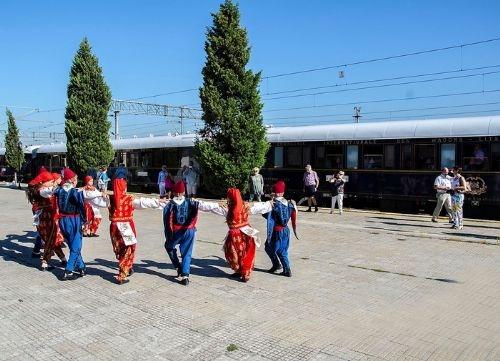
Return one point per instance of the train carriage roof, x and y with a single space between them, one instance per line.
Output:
402 129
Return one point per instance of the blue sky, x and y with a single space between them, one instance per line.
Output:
154 47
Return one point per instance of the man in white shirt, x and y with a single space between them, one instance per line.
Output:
442 185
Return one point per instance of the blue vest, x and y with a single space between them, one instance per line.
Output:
184 216
70 202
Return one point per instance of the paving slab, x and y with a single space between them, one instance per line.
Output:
365 286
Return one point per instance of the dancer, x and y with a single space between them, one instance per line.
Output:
47 224
179 219
278 234
122 227
92 213
70 202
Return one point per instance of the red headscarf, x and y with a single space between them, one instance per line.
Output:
119 189
87 179
237 215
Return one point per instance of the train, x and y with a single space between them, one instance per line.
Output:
389 165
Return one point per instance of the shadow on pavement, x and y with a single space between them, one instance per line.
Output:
472 235
402 224
12 250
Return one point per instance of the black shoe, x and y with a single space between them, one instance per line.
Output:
179 272
94 235
85 235
64 263
287 273
81 273
309 210
47 268
130 272
274 268
35 254
315 209
68 276
120 281
185 281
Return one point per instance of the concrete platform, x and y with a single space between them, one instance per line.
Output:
365 286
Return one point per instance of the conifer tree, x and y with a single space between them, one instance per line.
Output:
14 155
233 140
87 124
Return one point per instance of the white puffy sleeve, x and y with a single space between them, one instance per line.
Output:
212 207
261 207
91 194
143 203
100 202
47 192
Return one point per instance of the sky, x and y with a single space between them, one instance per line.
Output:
148 47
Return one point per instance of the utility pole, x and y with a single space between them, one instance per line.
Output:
116 124
357 115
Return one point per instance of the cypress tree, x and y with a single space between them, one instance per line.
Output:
87 125
14 155
233 139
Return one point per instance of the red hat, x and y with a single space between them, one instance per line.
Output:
56 176
279 187
179 187
87 179
68 174
44 177
34 181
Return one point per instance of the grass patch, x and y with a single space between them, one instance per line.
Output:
232 347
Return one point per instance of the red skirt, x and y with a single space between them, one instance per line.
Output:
124 254
239 249
49 231
92 224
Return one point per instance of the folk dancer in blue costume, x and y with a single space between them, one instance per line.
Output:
278 234
179 219
70 202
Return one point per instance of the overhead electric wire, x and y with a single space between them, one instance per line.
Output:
384 85
291 118
383 58
385 79
163 94
384 100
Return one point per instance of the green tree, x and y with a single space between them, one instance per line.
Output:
87 124
14 155
233 139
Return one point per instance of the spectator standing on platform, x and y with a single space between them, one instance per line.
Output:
442 185
458 188
162 177
311 183
337 184
256 185
191 177
103 179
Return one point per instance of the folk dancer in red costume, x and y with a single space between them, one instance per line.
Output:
46 218
180 216
122 227
241 241
92 212
278 234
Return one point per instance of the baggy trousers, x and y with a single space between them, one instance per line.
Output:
71 228
185 240
277 248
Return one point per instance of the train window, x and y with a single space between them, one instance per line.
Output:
334 157
475 156
406 156
278 157
373 156
320 157
390 156
447 155
425 156
352 156
171 158
495 156
293 156
133 159
306 155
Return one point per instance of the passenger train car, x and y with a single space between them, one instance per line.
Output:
389 165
